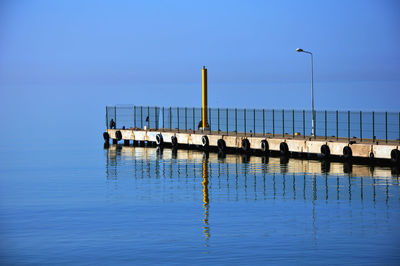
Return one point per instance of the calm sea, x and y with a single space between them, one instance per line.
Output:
80 205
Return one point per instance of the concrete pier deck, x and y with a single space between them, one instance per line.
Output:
367 149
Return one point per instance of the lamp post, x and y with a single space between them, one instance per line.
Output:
312 89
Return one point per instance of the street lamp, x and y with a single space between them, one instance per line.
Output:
312 89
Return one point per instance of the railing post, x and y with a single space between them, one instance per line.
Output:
218 119
236 120
106 117
293 121
337 125
177 111
115 115
186 118
386 127
227 122
201 117
209 119
283 123
273 122
244 112
158 117
360 125
304 123
170 118
155 117
194 117
134 115
141 117
348 125
148 115
315 124
373 126
263 122
254 122
326 124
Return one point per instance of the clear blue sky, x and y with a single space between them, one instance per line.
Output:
65 60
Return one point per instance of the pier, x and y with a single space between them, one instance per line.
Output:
369 137
286 146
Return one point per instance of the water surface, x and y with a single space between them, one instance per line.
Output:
137 205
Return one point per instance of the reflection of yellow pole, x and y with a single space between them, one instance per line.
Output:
205 182
204 98
206 228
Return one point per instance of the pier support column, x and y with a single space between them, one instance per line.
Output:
115 141
126 142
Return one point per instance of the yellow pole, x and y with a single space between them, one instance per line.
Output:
204 114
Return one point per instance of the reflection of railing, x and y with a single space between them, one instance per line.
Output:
238 177
293 123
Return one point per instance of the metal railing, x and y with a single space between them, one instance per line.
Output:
261 122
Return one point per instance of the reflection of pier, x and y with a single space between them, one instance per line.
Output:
296 166
237 177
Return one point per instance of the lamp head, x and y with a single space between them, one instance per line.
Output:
299 50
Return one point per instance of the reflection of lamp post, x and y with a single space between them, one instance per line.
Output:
312 89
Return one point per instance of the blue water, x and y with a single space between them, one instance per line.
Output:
85 205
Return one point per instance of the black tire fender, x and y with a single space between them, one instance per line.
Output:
106 136
159 140
246 145
221 145
347 153
205 142
264 146
395 156
284 149
174 141
325 151
118 135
